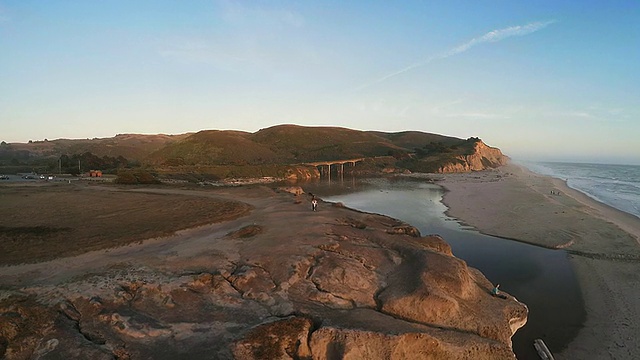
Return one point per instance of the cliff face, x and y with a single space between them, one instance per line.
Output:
483 157
302 173
295 284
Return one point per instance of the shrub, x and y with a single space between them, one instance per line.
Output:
136 177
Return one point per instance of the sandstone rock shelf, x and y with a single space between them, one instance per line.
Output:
282 282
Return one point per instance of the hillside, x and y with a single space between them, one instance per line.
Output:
297 144
282 144
415 139
130 146
44 155
213 147
276 151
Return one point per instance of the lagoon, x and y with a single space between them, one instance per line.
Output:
541 278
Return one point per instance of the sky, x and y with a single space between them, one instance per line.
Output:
542 80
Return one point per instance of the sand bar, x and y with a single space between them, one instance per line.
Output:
515 203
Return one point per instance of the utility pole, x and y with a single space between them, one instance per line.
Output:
60 165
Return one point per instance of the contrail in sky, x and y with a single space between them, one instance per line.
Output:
492 36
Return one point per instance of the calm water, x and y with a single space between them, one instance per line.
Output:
615 185
539 277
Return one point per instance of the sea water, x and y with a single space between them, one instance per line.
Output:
615 185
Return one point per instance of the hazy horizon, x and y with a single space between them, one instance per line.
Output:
546 81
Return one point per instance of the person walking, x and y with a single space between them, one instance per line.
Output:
314 204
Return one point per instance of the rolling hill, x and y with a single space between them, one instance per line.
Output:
269 151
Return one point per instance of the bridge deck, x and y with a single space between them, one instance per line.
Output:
334 162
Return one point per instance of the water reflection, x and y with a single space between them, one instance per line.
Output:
539 277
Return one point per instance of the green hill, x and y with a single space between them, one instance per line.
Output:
131 146
297 144
47 155
272 151
214 147
415 139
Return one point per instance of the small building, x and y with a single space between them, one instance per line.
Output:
95 173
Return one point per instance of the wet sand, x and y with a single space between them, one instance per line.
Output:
603 244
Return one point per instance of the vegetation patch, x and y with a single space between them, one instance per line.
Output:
48 222
129 177
30 230
245 232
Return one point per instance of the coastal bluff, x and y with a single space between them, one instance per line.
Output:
482 157
281 282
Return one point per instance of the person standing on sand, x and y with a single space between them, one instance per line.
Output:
314 204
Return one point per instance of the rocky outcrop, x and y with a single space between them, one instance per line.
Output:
295 190
483 157
282 283
339 343
302 173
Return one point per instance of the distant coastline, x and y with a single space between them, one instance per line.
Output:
602 243
616 185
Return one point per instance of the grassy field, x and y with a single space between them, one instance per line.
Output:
43 222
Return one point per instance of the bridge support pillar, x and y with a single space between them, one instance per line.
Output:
339 170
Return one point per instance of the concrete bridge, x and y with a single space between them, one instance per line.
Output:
325 166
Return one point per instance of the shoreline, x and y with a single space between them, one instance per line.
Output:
590 198
624 220
602 244
494 202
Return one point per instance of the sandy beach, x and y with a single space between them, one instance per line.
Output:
602 244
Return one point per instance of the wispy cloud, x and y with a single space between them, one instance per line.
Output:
192 51
438 108
4 15
594 114
578 114
498 35
236 12
492 36
477 115
471 109
247 38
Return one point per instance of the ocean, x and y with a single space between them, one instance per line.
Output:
615 185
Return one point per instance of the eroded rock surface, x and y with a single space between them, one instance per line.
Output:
281 283
483 157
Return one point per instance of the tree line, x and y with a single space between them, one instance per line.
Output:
13 161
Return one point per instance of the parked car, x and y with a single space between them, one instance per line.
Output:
4 177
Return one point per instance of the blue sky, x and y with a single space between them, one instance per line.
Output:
542 80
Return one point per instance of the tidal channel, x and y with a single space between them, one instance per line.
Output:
541 278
